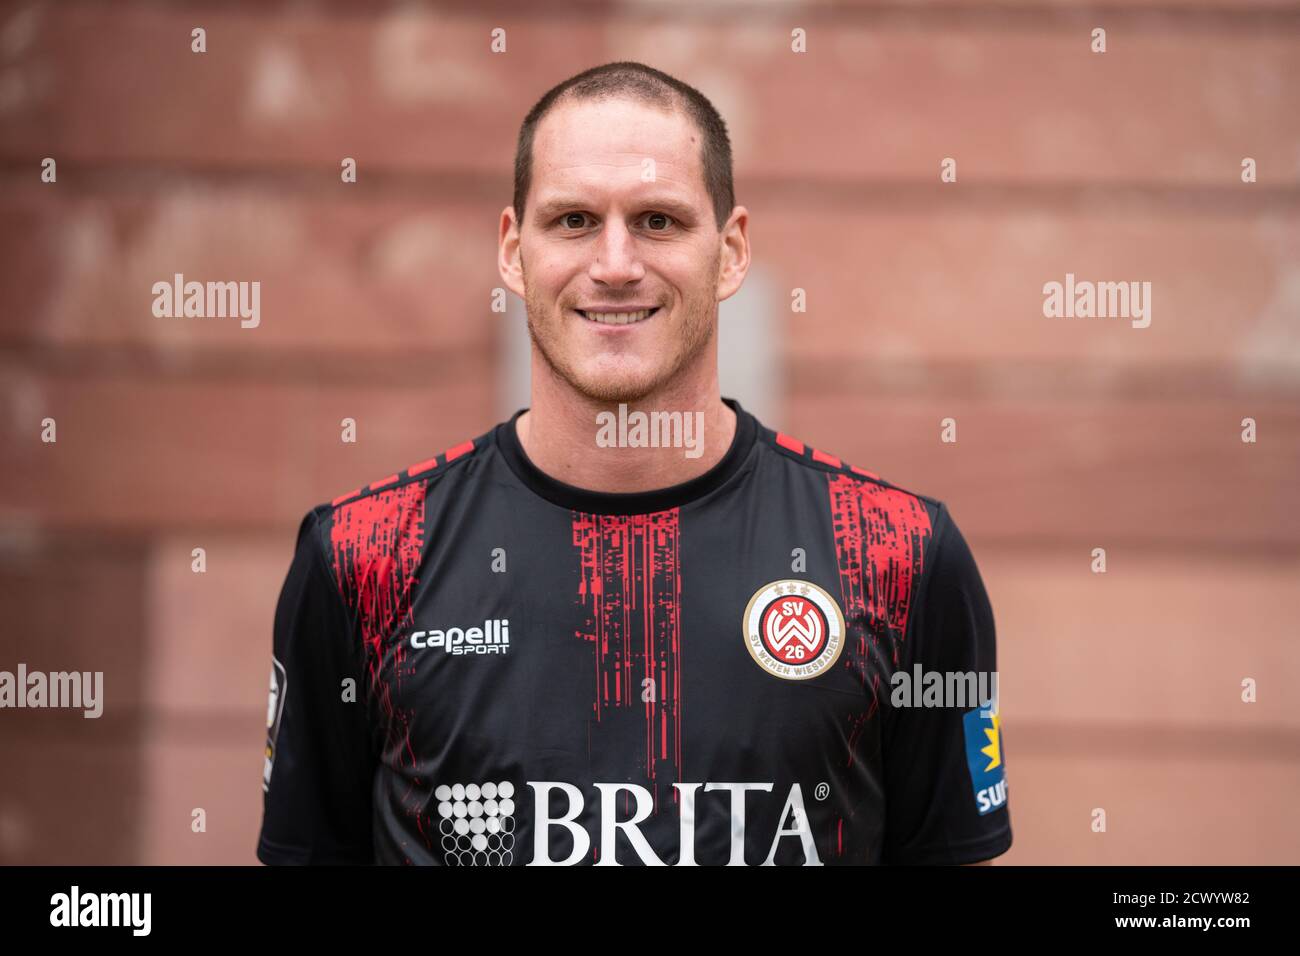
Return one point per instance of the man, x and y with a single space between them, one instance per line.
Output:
588 636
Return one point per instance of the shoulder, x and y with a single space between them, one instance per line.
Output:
887 537
377 529
416 475
852 487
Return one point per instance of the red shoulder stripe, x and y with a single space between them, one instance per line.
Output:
426 465
342 498
785 441
464 448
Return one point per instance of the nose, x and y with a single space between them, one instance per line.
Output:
617 261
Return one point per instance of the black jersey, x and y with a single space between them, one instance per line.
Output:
477 664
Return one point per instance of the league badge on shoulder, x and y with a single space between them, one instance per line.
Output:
274 711
793 629
988 775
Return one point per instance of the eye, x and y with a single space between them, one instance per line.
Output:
652 217
581 217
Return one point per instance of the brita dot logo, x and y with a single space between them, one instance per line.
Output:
477 823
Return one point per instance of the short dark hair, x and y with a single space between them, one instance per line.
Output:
654 88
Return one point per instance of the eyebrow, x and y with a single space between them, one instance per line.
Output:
553 207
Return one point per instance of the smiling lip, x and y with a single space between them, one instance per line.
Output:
614 316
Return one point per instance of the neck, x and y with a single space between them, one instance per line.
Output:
559 433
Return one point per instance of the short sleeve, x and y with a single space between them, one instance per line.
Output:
945 771
319 766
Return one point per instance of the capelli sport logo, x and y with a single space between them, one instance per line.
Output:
492 638
793 629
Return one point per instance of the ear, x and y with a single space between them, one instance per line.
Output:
733 264
508 252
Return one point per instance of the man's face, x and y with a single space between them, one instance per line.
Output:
617 220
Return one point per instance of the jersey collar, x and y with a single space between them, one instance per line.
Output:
623 503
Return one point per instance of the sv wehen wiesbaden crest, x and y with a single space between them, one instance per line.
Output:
793 629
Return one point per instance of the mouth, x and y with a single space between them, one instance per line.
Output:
605 317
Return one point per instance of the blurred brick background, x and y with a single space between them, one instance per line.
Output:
1120 690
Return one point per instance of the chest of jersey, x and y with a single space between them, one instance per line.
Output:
644 686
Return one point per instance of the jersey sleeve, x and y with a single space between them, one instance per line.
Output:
945 774
319 767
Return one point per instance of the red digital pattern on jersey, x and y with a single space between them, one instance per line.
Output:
629 588
880 539
376 541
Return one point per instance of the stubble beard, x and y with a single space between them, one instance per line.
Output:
698 326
